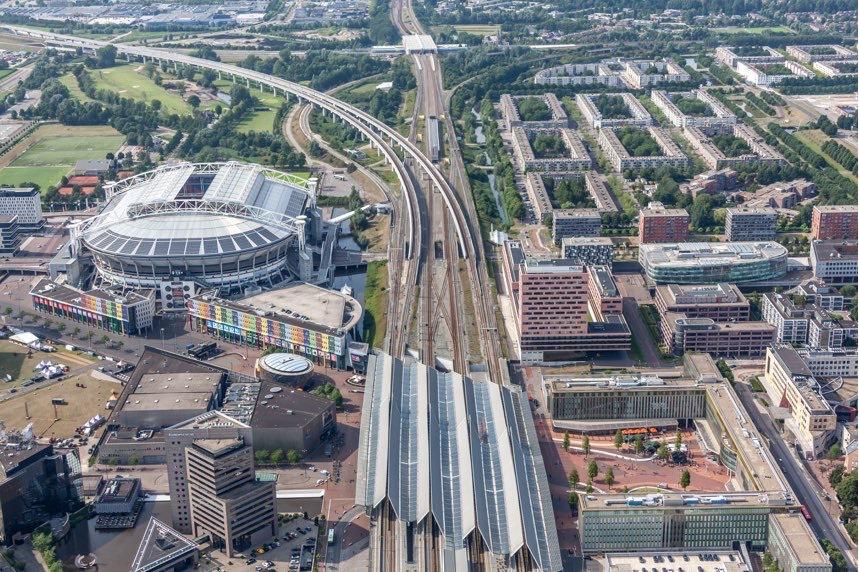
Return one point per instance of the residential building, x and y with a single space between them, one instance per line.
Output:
568 223
821 295
789 383
9 237
834 222
641 74
825 363
712 182
638 114
709 263
587 250
718 113
763 74
820 53
745 223
598 73
575 158
128 313
621 159
760 152
659 224
728 56
828 331
24 203
790 320
779 195
510 112
727 339
835 261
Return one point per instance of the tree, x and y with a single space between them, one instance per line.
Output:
639 444
293 457
662 452
590 486
573 501
262 455
104 339
277 456
586 445
106 56
573 479
593 469
609 477
834 452
194 101
685 479
566 441
678 441
618 439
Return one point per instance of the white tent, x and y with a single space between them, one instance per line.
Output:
26 338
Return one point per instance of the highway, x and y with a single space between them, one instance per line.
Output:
822 522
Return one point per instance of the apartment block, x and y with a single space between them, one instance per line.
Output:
640 74
834 222
728 55
761 151
719 114
820 53
835 261
760 74
779 195
599 73
745 223
639 115
567 223
790 384
510 112
821 295
789 319
659 224
588 250
837 68
621 159
575 159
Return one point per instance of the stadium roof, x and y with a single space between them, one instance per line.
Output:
464 450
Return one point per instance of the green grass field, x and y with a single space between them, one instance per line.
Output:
262 120
815 138
760 30
128 82
53 150
478 29
71 83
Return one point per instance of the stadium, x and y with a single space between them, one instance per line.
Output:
228 226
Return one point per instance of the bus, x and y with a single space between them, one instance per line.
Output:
330 536
805 513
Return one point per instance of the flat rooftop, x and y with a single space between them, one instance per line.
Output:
560 383
698 560
119 489
65 293
287 408
696 294
605 280
587 241
802 542
671 501
836 208
705 253
576 213
178 383
167 401
218 447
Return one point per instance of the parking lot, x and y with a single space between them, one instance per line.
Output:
294 550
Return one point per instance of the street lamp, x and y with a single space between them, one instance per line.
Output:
162 339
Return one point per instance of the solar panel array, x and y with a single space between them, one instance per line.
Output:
485 467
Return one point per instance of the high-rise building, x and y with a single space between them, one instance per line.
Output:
24 203
659 224
742 223
834 222
9 238
588 250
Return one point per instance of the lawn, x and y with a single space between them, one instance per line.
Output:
82 403
128 82
814 138
71 83
376 303
262 120
51 151
15 362
478 29
759 30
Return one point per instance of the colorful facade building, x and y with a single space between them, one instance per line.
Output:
301 318
126 313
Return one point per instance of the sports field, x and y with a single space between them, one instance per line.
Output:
128 82
51 151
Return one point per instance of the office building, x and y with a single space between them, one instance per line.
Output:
709 561
585 251
128 313
603 296
300 318
659 224
743 223
10 239
827 363
37 483
726 339
835 261
830 222
550 301
720 302
710 263
575 222
790 384
792 545
24 203
227 502
163 549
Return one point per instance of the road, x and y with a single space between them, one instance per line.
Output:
822 523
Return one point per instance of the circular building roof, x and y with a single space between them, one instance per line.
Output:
285 364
